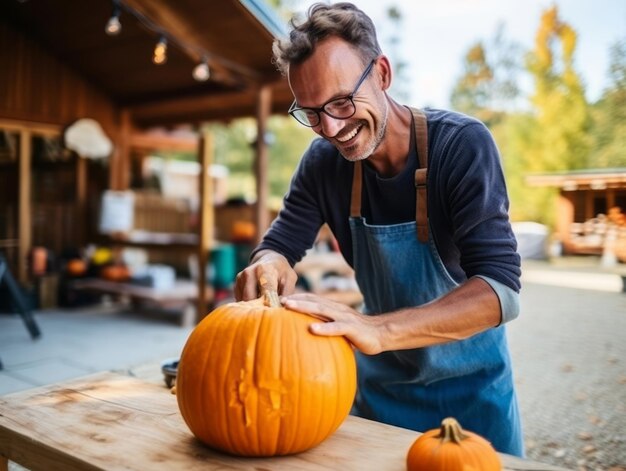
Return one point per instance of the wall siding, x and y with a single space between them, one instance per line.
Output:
36 86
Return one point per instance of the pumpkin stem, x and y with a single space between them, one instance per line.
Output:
270 295
451 431
270 298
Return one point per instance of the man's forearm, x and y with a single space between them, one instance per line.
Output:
467 310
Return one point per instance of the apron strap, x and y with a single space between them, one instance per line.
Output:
357 181
421 176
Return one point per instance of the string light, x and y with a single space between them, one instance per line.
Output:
113 26
159 56
201 72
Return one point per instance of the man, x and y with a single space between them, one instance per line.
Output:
418 204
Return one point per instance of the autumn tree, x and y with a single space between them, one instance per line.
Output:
554 134
560 141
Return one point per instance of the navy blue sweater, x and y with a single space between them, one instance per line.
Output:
467 201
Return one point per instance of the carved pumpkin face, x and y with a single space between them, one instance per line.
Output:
253 381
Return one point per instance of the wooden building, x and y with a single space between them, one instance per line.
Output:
59 66
589 202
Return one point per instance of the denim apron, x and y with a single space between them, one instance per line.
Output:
469 380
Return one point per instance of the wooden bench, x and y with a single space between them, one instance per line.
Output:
182 296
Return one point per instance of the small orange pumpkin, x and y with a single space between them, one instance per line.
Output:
253 381
450 448
76 267
115 273
243 231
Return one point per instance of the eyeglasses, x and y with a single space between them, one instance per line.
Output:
338 108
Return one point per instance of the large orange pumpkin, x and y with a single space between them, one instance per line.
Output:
450 448
253 381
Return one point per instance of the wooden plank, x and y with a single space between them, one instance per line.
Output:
207 219
109 421
38 86
25 205
119 168
47 130
212 104
262 161
81 199
180 291
152 142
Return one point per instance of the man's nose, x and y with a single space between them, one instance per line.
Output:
330 126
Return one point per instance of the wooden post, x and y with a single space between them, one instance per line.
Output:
264 103
81 199
206 220
119 170
565 216
25 206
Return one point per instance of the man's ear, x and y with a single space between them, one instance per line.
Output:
385 73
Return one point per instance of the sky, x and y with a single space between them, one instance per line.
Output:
437 34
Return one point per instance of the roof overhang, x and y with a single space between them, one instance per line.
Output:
234 36
596 179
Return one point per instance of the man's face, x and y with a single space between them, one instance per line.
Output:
333 72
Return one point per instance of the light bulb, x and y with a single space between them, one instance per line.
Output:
201 72
160 52
113 26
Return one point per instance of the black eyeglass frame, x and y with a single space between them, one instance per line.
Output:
293 109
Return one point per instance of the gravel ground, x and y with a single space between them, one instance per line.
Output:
569 357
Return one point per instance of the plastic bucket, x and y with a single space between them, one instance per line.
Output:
224 262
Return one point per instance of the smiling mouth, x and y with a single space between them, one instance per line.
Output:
346 137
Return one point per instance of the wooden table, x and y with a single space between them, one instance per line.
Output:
109 421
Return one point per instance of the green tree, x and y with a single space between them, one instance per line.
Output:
234 146
488 86
609 115
290 140
472 92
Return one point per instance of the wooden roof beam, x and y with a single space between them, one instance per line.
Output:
163 14
153 141
209 106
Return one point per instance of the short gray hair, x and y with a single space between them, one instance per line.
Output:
343 20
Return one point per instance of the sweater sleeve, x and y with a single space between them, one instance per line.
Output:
508 298
472 183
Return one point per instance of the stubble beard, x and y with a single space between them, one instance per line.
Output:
374 143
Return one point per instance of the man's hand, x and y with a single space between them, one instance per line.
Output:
270 267
364 332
